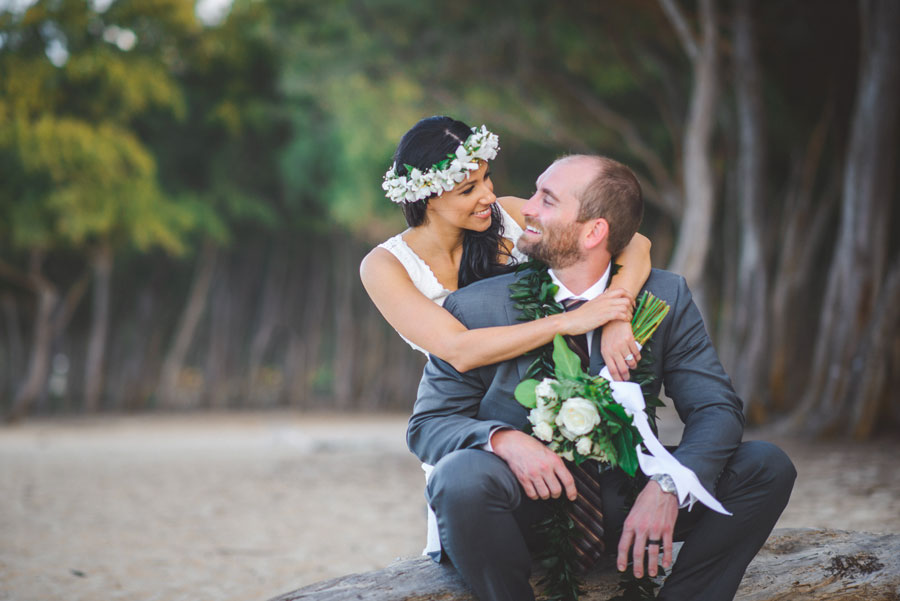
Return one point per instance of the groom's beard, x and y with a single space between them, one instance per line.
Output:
558 246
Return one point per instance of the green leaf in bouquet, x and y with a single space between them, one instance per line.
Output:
566 389
627 456
568 365
619 411
525 394
608 417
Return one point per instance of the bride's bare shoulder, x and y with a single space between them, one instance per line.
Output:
380 264
513 205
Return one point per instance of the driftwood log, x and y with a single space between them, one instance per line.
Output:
794 565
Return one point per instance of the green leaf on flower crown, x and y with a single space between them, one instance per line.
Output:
525 393
568 365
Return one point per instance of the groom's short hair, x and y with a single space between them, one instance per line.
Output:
615 195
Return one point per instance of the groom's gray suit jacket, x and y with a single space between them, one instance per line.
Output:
456 410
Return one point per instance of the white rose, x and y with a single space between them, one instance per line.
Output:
544 431
567 454
584 446
545 391
541 414
577 417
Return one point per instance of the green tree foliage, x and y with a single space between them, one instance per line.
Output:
359 74
222 157
127 128
75 173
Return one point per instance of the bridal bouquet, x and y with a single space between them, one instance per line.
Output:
577 415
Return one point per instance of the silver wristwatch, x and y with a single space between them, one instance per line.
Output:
666 483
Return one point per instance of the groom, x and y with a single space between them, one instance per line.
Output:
490 477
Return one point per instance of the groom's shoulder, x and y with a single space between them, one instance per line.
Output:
481 295
666 285
492 287
663 278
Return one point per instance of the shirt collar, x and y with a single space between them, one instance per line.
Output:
590 294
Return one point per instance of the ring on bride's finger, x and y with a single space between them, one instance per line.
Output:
629 357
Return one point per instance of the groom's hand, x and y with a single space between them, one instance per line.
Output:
652 518
540 471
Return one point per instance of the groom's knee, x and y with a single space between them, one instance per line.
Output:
472 478
768 465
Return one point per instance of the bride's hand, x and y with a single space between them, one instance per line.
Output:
616 344
612 305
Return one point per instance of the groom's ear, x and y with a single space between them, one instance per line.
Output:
597 233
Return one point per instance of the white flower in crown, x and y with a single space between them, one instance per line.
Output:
482 145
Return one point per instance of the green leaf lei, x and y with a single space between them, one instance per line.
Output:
533 294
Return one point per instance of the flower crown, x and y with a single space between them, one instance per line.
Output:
443 176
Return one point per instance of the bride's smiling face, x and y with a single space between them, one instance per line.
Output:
468 205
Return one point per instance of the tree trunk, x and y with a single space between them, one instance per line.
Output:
39 360
187 325
345 329
695 230
750 306
215 393
870 400
858 269
15 346
309 291
270 313
102 262
805 220
795 564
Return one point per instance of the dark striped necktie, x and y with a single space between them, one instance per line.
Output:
578 342
587 510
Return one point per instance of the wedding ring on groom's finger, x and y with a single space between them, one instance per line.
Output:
654 542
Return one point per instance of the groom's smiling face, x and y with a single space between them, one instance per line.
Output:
553 233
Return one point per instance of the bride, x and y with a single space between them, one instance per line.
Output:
460 232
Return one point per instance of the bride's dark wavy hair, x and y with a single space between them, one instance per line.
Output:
427 143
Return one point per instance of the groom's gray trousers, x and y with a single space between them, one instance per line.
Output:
485 522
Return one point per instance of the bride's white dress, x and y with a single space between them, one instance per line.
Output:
426 282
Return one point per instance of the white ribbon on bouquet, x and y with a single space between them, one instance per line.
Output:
660 460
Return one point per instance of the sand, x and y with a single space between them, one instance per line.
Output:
248 506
